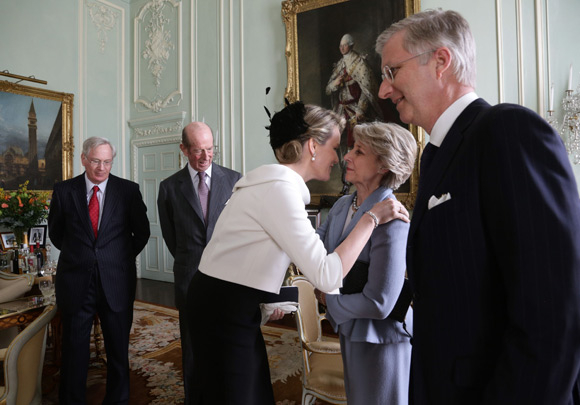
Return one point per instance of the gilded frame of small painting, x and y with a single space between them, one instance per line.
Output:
8 240
314 29
36 140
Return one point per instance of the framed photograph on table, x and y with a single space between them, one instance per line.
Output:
37 140
332 62
8 240
37 234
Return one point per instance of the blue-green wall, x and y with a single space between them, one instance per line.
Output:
231 50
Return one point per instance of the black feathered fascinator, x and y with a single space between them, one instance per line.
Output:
287 124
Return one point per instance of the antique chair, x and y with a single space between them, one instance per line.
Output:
323 373
14 286
23 362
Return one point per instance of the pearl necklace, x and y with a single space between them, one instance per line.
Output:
354 206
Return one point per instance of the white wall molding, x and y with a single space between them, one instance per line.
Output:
232 85
194 105
520 52
499 39
242 90
548 56
156 51
96 12
105 19
81 102
159 125
540 58
221 90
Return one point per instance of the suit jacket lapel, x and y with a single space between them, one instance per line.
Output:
443 158
334 231
218 190
111 202
79 195
378 195
189 193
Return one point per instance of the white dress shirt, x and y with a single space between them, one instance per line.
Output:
446 120
195 178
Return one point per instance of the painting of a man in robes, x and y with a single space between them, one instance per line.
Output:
353 88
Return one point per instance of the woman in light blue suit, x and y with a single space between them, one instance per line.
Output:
376 350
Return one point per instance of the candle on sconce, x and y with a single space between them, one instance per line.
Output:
551 101
570 78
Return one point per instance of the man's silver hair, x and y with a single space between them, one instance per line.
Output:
94 142
432 29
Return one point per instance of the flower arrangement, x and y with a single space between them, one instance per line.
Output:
22 209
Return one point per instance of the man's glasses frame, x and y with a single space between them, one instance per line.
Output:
97 162
198 152
389 73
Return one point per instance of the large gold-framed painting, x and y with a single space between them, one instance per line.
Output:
315 30
36 141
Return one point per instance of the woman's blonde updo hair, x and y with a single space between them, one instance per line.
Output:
395 147
293 126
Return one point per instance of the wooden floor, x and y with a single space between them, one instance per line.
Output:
155 292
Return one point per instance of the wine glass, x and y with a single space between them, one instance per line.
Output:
49 268
47 289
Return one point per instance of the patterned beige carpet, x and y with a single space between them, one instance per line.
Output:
155 358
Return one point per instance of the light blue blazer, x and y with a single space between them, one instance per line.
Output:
362 317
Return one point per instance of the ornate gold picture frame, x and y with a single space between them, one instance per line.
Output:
36 142
314 30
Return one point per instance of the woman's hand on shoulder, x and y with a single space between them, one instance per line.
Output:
390 209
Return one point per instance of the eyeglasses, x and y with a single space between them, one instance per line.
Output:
198 152
390 72
97 162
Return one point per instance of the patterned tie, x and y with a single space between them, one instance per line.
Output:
94 210
426 159
203 192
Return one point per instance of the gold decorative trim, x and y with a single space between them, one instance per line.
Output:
290 10
66 100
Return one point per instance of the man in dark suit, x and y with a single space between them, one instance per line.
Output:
99 222
186 226
493 252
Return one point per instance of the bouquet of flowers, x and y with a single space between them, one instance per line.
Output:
22 209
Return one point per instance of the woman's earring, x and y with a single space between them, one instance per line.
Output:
314 156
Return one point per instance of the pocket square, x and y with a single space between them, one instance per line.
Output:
434 201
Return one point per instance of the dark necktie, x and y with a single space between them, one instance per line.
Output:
94 210
426 159
203 192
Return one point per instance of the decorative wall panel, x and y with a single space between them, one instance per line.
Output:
105 19
102 82
158 56
158 125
